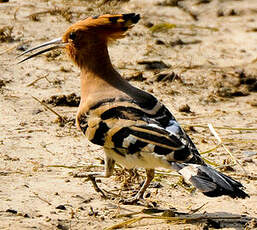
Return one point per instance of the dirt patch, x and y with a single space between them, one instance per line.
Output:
237 84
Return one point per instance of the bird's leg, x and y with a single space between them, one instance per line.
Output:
140 194
149 178
109 166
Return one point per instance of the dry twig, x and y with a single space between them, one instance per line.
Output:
215 134
39 78
46 106
40 198
178 219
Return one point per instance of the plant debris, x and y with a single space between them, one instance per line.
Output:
153 65
64 12
251 224
212 221
236 84
138 76
172 3
4 82
230 92
6 34
166 76
249 80
165 26
71 100
179 42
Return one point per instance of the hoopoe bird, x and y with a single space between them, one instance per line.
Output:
132 126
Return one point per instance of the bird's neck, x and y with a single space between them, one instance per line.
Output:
98 74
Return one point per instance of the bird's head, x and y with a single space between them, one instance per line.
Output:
83 37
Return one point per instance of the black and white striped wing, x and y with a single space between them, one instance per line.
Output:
129 129
150 138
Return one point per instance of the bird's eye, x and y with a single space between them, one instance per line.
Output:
72 36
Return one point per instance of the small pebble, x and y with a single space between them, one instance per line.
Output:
147 195
12 211
159 42
62 227
26 215
61 207
184 108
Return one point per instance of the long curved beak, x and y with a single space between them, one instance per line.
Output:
57 42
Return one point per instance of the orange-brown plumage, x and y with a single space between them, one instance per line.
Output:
90 36
86 44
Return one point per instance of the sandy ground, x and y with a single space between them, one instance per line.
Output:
206 54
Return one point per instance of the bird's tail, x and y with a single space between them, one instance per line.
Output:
209 181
